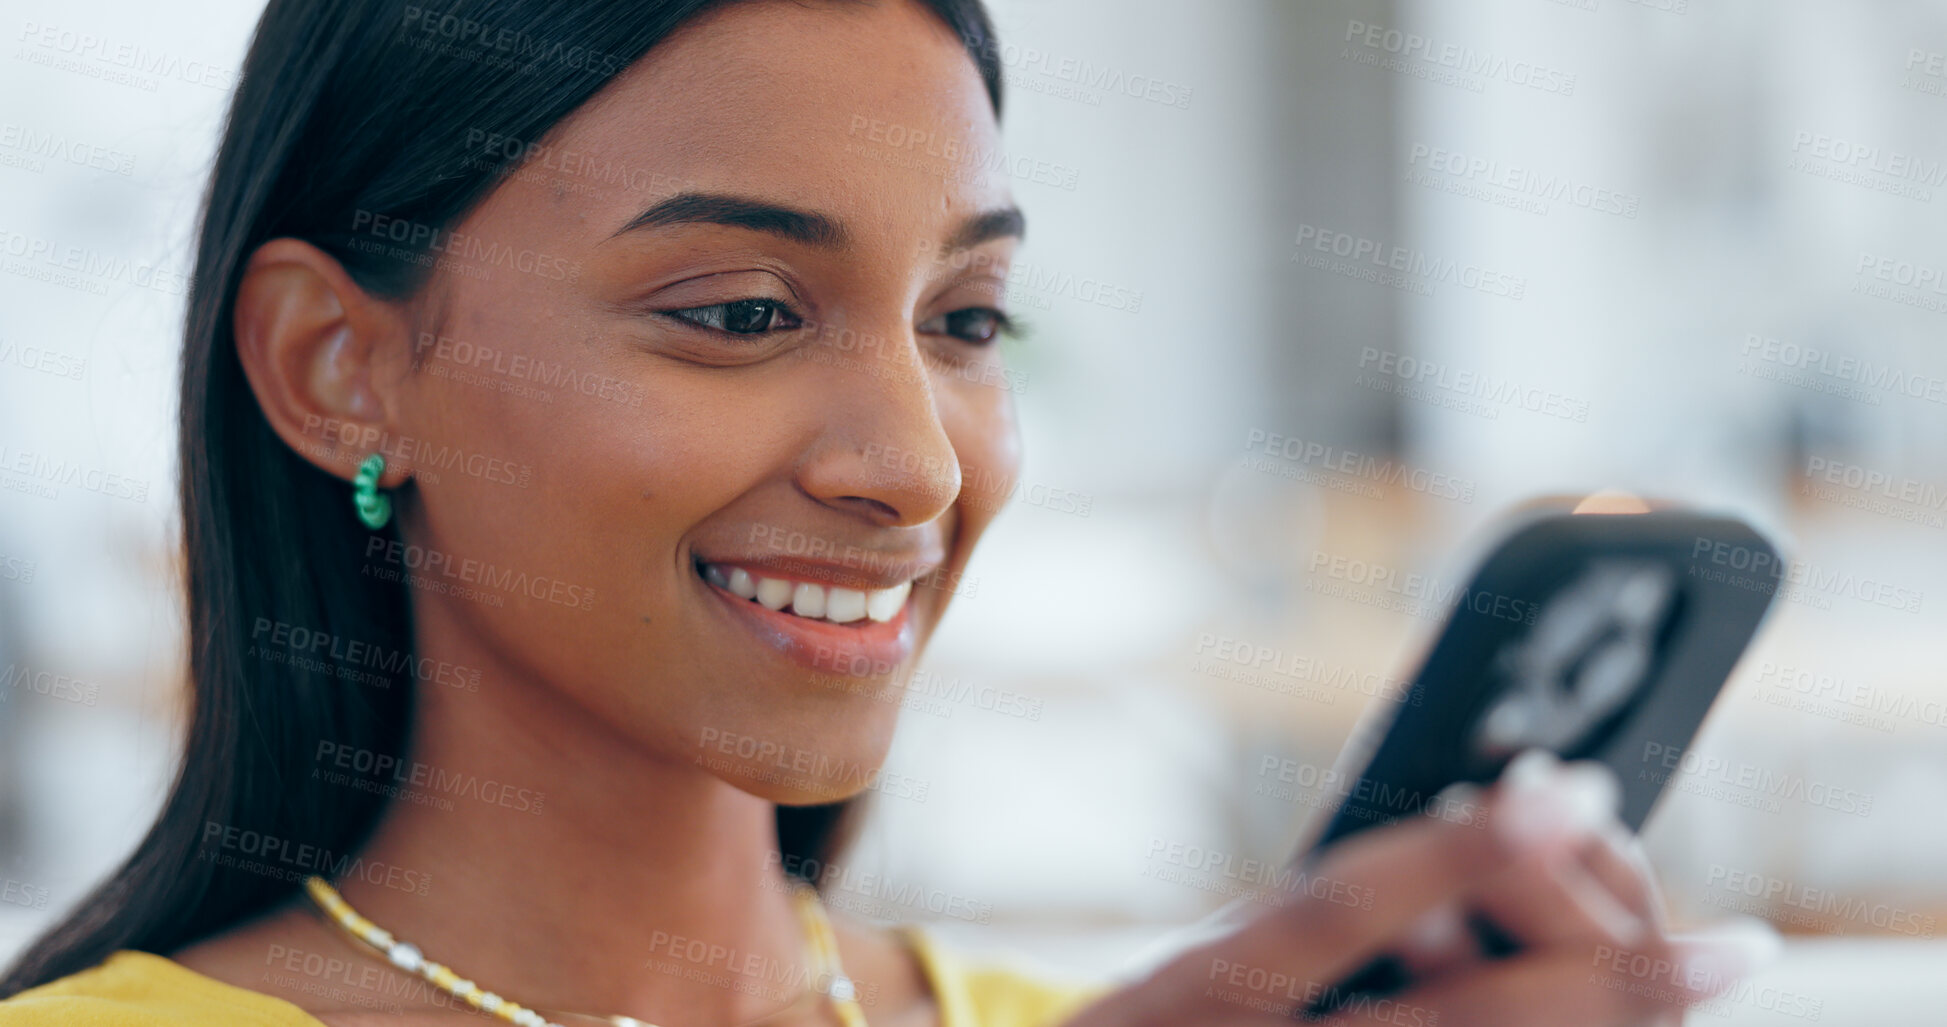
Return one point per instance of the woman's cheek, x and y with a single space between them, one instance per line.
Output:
986 438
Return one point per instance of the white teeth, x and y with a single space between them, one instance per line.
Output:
773 593
844 605
882 604
815 602
808 600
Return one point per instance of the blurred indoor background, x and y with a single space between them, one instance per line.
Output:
1469 254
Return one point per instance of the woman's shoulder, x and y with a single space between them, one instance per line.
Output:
139 989
973 991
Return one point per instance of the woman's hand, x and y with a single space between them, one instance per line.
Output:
1544 860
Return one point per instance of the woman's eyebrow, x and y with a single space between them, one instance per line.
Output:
803 226
987 225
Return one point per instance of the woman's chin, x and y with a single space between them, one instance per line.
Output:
799 792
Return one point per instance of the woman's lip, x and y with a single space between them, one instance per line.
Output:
862 648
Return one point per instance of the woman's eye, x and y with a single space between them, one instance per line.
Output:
970 324
741 317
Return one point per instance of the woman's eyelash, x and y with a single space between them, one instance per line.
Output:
978 325
753 316
760 316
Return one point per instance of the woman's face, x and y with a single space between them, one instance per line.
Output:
731 322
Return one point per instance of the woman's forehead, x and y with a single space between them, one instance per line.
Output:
863 109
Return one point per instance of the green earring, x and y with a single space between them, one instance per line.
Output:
374 507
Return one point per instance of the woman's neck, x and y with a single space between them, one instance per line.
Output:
564 867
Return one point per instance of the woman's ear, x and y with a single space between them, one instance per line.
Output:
326 359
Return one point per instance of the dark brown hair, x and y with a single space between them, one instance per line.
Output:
345 108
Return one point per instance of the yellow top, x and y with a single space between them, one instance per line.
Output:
140 989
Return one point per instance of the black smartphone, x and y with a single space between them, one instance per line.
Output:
1595 636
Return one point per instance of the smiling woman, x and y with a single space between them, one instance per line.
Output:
582 683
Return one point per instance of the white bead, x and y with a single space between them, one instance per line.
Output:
462 987
490 1002
406 956
841 988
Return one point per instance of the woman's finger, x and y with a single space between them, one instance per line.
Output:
1355 903
1559 901
1617 859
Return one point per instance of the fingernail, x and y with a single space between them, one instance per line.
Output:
1600 785
1545 803
1530 767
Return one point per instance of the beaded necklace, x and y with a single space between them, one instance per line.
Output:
829 980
